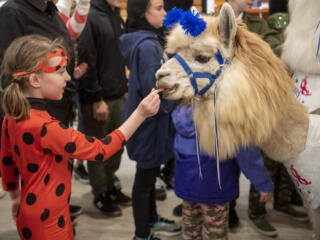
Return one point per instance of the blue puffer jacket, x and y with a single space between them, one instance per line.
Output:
152 144
188 184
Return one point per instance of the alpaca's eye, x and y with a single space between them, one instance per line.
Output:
202 59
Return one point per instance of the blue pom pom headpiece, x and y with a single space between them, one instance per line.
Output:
190 21
172 17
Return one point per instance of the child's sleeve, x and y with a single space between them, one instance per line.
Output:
9 170
57 139
250 162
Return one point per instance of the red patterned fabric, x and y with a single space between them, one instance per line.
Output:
37 151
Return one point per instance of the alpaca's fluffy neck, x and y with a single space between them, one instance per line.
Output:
203 115
289 133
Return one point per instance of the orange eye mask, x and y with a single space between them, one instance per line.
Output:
44 67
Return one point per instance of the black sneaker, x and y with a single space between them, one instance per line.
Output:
291 212
105 204
119 197
81 174
177 211
75 210
165 227
233 219
263 226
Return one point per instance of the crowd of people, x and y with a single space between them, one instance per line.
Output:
65 57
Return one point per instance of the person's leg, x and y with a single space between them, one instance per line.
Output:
115 111
167 173
98 170
215 225
233 219
141 193
153 217
92 127
79 169
192 221
284 187
257 209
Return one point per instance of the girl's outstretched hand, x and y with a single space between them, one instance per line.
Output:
149 106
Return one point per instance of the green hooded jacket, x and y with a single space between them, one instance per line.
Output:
259 26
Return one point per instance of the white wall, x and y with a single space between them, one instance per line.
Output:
210 6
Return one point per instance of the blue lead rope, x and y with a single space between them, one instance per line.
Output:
216 145
212 78
318 38
216 139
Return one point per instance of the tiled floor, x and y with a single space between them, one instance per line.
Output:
94 226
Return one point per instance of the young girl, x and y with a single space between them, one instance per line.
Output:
36 147
205 204
152 144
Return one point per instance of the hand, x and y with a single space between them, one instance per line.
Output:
79 70
100 111
125 96
15 203
266 196
149 106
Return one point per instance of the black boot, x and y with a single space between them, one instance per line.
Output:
233 216
105 204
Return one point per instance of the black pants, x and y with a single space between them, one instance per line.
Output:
144 200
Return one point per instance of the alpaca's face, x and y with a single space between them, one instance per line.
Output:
199 54
200 57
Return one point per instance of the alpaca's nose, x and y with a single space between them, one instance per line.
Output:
161 74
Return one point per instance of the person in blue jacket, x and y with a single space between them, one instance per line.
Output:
152 144
206 204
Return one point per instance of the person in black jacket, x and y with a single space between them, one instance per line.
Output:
24 17
101 94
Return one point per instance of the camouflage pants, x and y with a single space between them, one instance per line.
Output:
205 221
284 187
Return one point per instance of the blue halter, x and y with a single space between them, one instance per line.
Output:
212 77
195 75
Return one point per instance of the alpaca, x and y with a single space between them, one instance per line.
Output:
253 103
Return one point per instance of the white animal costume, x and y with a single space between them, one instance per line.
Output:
304 169
301 50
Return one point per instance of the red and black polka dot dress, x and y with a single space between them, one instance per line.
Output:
37 151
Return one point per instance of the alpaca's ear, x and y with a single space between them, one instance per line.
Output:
227 26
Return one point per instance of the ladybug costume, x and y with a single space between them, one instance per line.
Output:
37 151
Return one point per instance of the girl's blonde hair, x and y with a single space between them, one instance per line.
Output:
23 55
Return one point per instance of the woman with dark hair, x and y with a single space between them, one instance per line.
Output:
152 145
